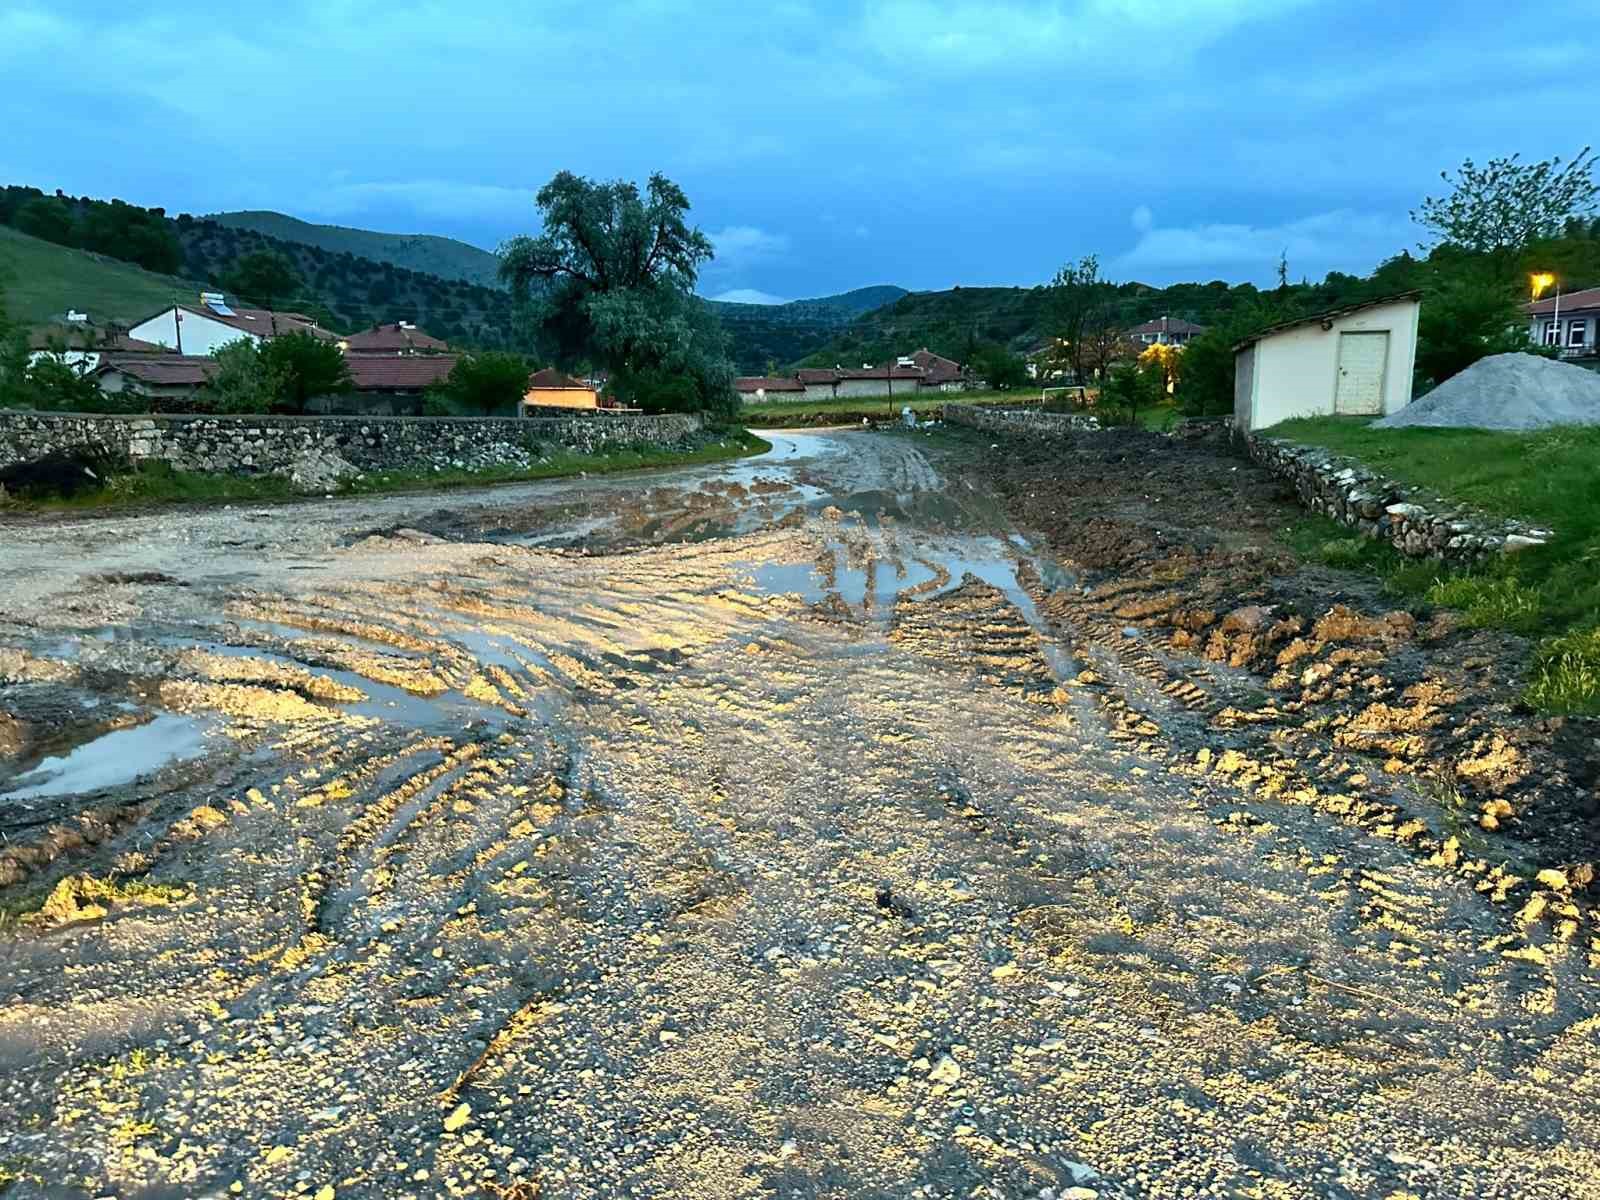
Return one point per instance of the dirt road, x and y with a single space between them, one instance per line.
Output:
831 824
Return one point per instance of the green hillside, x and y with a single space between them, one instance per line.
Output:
424 253
759 334
43 280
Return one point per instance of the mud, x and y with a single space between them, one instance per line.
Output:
887 816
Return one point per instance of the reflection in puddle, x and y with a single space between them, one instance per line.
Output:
118 757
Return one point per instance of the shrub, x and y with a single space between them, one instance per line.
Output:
1566 673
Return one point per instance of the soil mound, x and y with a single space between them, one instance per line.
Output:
1507 391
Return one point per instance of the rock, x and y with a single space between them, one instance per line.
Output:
1079 1193
1552 878
1517 542
318 470
459 1118
946 1070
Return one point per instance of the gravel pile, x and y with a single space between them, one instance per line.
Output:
1508 391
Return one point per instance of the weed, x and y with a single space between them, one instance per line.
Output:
1565 675
1500 602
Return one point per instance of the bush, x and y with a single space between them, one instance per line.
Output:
245 381
1566 674
1129 389
481 385
308 367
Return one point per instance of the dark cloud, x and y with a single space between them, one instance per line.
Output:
826 146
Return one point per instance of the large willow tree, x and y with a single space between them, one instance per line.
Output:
610 280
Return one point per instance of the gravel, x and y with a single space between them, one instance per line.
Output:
1508 391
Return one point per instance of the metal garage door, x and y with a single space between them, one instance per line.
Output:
1361 360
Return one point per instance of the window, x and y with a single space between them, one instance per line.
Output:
1549 338
1576 331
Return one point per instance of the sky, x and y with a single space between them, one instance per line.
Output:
824 146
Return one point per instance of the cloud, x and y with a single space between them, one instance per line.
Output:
1339 240
1143 218
748 296
738 245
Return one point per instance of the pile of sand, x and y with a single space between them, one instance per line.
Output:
1508 391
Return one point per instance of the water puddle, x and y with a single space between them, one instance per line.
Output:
113 759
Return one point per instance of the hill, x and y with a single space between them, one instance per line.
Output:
763 334
425 253
42 280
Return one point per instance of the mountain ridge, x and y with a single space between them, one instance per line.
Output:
425 253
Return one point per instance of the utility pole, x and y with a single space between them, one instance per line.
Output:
177 322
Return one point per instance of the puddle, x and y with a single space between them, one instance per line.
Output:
115 758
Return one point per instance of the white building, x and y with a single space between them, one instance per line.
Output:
1570 322
1355 361
215 323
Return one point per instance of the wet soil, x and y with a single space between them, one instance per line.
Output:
887 816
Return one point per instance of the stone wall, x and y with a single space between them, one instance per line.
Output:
1028 421
1412 521
276 445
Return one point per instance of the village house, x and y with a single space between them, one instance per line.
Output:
550 388
214 324
155 376
75 342
1166 331
757 389
400 338
1574 329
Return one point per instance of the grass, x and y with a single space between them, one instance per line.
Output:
42 280
1550 478
158 483
777 413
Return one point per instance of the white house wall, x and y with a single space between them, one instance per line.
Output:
873 387
1296 372
201 335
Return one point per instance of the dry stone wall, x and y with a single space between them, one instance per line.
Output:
1027 421
276 445
1412 521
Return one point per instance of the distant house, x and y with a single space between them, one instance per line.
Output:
819 380
757 389
388 383
157 376
215 323
400 338
1166 331
1351 361
550 388
898 378
77 343
939 372
1576 329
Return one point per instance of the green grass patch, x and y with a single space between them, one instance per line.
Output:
159 483
1550 478
778 413
43 280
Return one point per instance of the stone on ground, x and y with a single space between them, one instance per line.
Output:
316 470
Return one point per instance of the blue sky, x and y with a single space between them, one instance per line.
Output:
825 146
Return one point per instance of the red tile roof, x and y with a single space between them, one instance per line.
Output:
550 379
939 369
161 370
762 383
262 322
898 372
810 375
1587 298
395 338
89 337
398 372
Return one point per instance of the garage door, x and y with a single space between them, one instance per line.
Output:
1361 360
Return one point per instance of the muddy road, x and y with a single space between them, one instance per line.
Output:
886 816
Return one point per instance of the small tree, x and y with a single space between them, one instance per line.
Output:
1129 388
1498 208
308 367
13 356
1168 360
262 277
1079 312
487 384
1000 368
244 381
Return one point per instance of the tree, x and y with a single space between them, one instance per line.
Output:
1168 360
487 384
611 279
1464 319
1206 387
1000 368
48 218
1498 208
308 366
1080 312
13 357
263 278
1130 387
245 381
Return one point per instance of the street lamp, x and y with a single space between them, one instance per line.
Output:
1541 281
